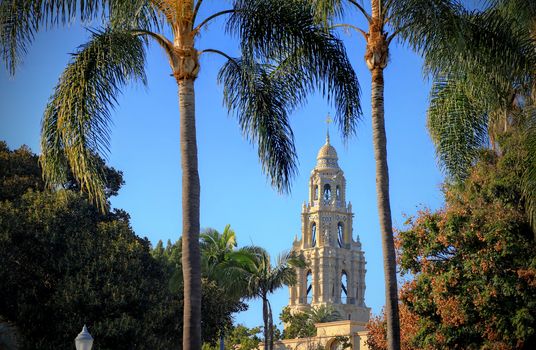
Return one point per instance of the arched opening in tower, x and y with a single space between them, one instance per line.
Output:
309 287
340 234
344 287
313 234
327 192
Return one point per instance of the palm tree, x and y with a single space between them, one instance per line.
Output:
262 279
420 22
376 58
76 121
224 263
216 250
484 86
322 314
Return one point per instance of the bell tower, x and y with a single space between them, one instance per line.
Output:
335 274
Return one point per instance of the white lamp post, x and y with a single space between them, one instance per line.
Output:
84 340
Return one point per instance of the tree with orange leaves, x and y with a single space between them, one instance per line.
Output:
474 261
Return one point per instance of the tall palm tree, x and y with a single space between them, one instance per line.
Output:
262 279
76 121
420 22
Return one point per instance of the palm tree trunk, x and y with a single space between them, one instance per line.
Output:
271 326
376 56
191 261
384 210
265 321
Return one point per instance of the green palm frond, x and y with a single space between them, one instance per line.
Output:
75 125
455 41
529 180
286 31
457 127
20 20
425 24
261 108
328 10
323 313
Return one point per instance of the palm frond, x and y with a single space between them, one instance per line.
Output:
260 105
457 127
286 32
76 122
20 20
328 10
456 41
529 180
323 313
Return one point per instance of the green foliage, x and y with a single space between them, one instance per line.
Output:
71 265
76 121
474 262
19 172
297 325
482 63
217 302
302 324
239 337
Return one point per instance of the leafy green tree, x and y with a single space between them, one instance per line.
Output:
218 304
262 279
297 325
76 121
474 262
239 337
70 264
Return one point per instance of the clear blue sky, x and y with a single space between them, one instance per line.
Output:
145 146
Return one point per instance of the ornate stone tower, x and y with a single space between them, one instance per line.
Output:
336 264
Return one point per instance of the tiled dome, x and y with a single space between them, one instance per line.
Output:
327 156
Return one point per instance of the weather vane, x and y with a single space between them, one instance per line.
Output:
328 121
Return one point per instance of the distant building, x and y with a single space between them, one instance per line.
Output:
335 274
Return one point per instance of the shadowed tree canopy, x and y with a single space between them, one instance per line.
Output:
67 264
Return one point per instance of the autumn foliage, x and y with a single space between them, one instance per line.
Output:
471 265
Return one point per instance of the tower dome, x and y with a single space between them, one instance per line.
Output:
327 156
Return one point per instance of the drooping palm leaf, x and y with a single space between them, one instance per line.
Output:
261 108
458 129
296 38
76 121
20 20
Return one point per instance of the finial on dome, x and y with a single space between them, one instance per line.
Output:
328 121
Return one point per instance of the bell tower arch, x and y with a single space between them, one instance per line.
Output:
335 274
